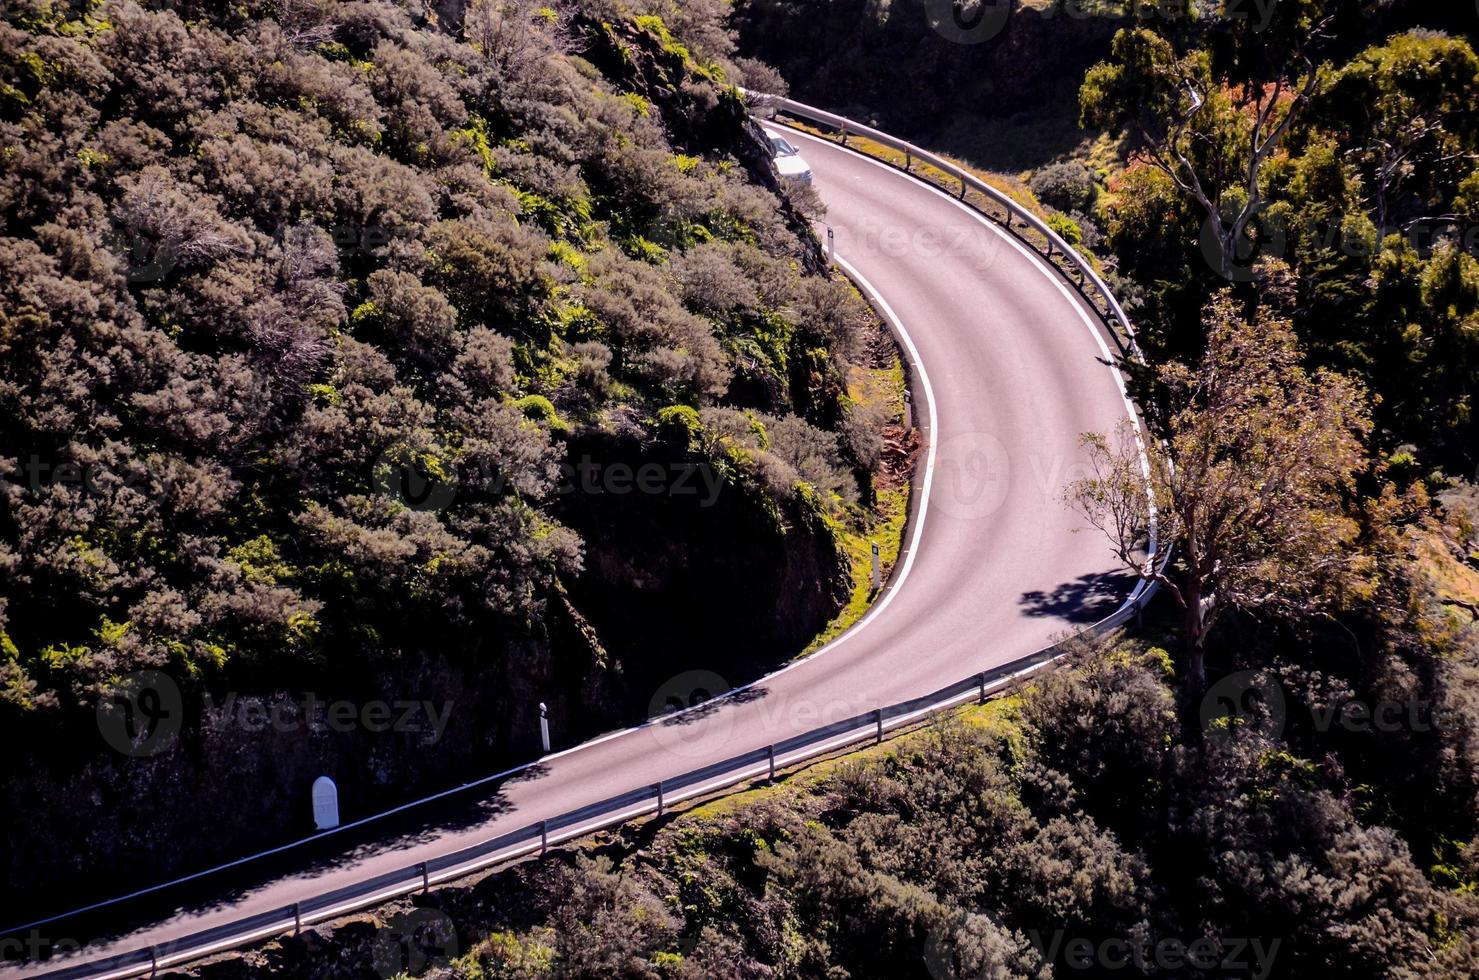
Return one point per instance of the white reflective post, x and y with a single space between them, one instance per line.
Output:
544 726
877 569
831 247
325 803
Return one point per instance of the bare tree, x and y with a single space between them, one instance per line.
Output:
305 23
1264 455
1213 131
516 36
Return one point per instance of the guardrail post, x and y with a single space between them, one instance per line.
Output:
770 753
962 187
878 718
658 787
844 132
543 836
297 918
981 680
153 960
425 877
908 156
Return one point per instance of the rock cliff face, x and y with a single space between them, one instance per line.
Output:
715 579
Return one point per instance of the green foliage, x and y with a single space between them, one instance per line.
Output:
1358 165
541 409
263 262
680 425
967 848
1066 228
1066 186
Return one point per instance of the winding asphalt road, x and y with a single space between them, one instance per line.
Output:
1010 367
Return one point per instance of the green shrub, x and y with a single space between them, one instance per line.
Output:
1067 228
540 409
679 425
1065 186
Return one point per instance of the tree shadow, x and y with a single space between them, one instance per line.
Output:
304 860
699 712
1086 599
459 810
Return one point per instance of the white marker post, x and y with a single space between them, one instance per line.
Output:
831 247
325 804
877 569
544 726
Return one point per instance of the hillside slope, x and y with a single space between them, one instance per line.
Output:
334 338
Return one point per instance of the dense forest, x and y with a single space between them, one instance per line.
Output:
314 316
1279 776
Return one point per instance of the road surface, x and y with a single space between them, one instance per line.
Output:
1010 368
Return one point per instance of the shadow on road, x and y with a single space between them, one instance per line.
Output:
1086 599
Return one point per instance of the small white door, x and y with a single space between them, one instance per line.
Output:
325 803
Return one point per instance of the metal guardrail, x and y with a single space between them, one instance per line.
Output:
1088 279
655 799
539 837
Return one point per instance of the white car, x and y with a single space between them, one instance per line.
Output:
788 161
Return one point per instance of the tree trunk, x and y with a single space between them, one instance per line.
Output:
1195 683
1194 626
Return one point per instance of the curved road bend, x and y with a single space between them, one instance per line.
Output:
1016 370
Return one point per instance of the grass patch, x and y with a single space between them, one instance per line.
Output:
884 524
879 390
1454 582
1000 714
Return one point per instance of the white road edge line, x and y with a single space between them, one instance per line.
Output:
1039 263
914 538
909 551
